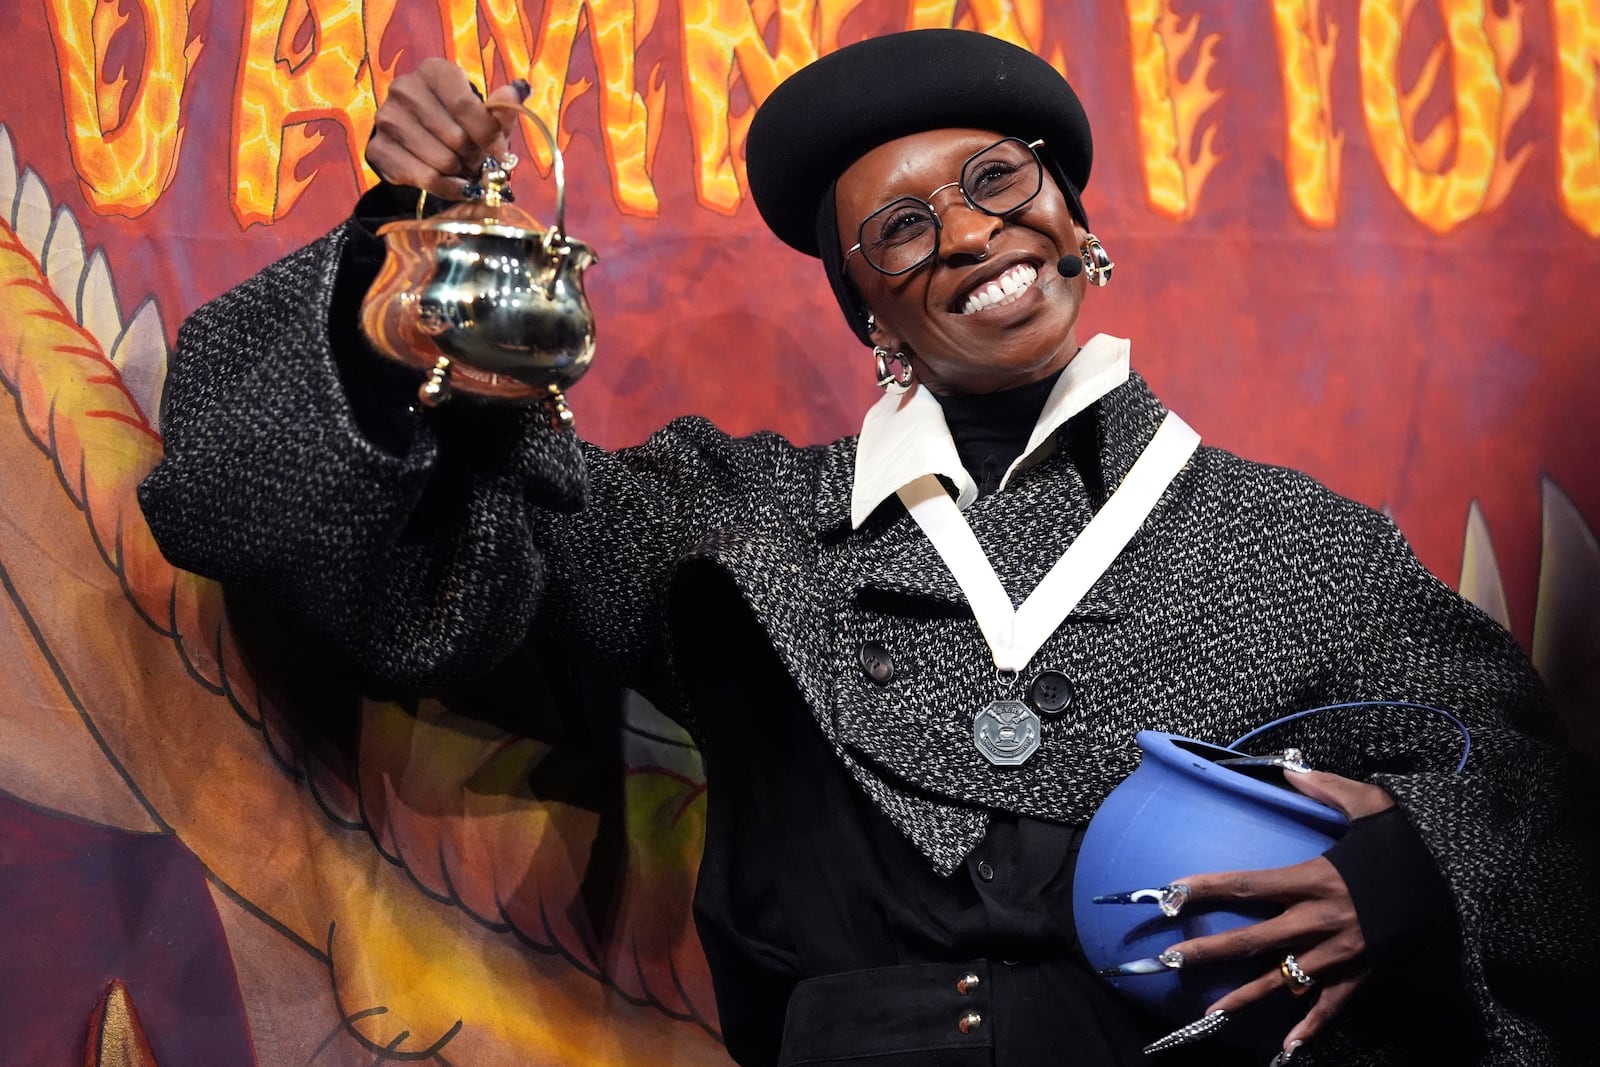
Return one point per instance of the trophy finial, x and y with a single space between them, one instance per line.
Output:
496 180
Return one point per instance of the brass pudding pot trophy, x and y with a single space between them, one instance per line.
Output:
484 298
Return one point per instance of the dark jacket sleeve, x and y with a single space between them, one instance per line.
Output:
419 541
1505 832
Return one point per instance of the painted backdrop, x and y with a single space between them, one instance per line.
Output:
1360 237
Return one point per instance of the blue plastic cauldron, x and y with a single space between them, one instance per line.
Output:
1181 813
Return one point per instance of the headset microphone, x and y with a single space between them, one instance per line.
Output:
1070 266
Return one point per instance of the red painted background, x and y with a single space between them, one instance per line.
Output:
1415 370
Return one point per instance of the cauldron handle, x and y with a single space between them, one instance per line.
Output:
1466 737
558 169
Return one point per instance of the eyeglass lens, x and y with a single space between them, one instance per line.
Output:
899 236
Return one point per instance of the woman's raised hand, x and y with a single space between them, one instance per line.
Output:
433 131
1317 926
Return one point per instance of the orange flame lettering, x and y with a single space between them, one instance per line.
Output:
1313 146
830 17
1170 107
125 158
1483 47
1019 21
1577 27
631 122
722 41
301 62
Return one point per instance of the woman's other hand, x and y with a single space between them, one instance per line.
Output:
1318 924
434 131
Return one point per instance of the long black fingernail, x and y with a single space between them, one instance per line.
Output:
522 87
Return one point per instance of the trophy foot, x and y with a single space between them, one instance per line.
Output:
555 406
436 390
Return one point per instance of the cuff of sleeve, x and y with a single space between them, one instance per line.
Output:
381 392
1402 901
386 202
364 249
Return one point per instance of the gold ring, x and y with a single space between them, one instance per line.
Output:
1300 982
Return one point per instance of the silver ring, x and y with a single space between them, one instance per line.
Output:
1290 968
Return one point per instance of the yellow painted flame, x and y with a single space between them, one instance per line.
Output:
724 43
1170 107
306 63
630 121
1482 48
1577 33
1505 40
300 63
1019 21
125 159
438 975
1312 148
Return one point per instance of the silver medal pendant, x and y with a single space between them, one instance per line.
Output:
1006 732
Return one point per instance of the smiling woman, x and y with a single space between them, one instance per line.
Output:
989 311
900 761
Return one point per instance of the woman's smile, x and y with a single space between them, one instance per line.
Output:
1001 289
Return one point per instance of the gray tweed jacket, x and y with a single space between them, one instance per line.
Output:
1252 591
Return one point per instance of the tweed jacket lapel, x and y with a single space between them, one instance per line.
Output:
908 742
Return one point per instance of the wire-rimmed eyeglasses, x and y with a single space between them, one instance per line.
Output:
904 234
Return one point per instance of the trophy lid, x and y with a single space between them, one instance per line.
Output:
489 210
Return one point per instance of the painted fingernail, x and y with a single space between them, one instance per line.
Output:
1169 960
1286 1055
1198 1030
522 87
1169 898
1133 896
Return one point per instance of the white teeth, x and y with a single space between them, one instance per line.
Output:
1002 290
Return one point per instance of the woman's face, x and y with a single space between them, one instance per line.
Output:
925 313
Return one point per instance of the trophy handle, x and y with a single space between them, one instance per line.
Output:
558 169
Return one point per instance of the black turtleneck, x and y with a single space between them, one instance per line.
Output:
990 430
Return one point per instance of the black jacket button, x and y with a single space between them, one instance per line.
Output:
877 662
1050 692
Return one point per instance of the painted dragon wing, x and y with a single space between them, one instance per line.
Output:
432 888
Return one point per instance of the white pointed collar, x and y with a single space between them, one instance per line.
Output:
905 437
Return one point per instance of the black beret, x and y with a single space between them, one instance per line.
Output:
831 113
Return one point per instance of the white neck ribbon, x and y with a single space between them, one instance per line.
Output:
1015 635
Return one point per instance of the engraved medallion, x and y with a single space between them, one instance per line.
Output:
1006 732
